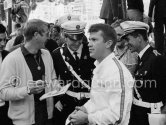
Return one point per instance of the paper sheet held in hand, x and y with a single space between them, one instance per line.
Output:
55 92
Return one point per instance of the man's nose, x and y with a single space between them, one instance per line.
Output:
89 43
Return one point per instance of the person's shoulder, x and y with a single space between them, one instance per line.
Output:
45 52
14 55
57 51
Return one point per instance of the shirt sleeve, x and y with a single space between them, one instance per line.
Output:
10 88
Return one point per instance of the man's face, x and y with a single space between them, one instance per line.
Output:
43 37
133 43
74 41
97 45
2 41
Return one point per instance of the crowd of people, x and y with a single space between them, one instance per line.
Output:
116 77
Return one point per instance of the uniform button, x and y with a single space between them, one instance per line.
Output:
65 71
79 69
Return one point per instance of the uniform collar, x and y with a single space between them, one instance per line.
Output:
79 51
143 51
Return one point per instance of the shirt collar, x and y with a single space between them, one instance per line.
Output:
111 55
143 51
79 51
26 52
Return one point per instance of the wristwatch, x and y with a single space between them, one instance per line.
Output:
28 90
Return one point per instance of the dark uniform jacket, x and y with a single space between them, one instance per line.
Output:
150 79
83 68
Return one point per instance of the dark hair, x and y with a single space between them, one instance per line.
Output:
57 28
108 32
2 28
143 33
32 26
17 25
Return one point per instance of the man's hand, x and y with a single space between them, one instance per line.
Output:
36 87
78 118
82 108
59 106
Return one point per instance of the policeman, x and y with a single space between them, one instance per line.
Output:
150 75
74 53
60 21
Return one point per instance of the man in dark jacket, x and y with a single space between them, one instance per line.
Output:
150 75
3 105
74 52
158 9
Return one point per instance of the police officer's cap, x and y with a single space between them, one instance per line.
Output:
131 26
67 18
73 27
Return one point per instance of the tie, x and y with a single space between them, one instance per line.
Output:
76 56
138 63
139 60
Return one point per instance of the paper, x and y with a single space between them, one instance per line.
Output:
55 92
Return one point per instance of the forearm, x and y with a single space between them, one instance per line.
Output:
13 93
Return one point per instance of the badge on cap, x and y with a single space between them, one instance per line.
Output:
69 17
77 27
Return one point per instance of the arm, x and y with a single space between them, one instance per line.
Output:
10 82
108 114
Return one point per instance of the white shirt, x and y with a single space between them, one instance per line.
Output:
143 51
104 105
79 51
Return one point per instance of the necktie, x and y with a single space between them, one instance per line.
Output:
139 60
138 63
76 56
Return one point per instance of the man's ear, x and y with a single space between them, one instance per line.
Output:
140 38
35 34
109 43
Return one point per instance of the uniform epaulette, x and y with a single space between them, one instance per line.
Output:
156 53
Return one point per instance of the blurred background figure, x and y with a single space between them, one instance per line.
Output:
16 40
112 10
16 28
135 10
51 43
157 12
122 51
